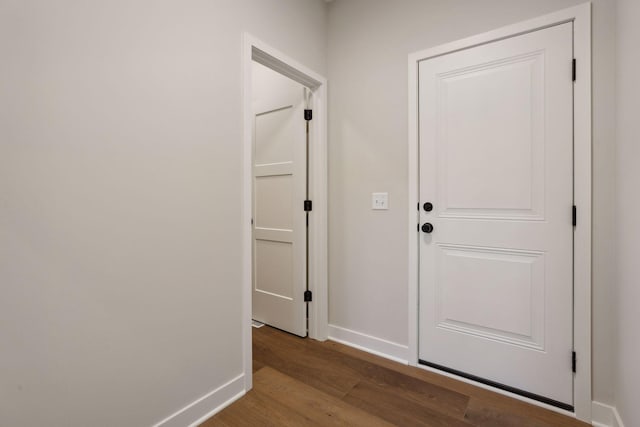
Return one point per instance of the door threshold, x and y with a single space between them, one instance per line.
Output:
500 386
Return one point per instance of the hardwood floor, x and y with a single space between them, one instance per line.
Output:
301 382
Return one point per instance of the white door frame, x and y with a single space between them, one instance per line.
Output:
581 18
258 51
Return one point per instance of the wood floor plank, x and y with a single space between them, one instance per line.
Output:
496 412
290 358
439 398
258 409
320 407
423 393
387 404
483 414
215 421
302 382
504 403
257 365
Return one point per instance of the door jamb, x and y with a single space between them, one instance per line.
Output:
581 17
254 49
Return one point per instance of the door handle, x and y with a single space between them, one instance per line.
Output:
427 227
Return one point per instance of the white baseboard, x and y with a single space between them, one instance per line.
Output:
206 406
370 344
604 415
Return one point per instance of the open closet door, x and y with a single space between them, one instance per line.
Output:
279 185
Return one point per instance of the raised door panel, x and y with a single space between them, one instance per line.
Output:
273 258
273 136
492 111
473 284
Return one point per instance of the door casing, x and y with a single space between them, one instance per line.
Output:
581 18
254 49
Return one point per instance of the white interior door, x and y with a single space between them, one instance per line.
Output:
496 163
279 183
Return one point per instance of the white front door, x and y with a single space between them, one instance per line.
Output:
496 164
279 183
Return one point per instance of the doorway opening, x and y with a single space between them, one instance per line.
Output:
284 196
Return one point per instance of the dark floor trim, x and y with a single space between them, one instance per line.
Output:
514 390
286 332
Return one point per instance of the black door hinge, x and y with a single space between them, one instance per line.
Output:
573 69
308 296
308 115
575 216
574 361
308 205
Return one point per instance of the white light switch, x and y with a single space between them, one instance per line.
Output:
379 201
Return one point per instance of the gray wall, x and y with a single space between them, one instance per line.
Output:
369 41
628 142
120 198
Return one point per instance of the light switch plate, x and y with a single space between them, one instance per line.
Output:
379 201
